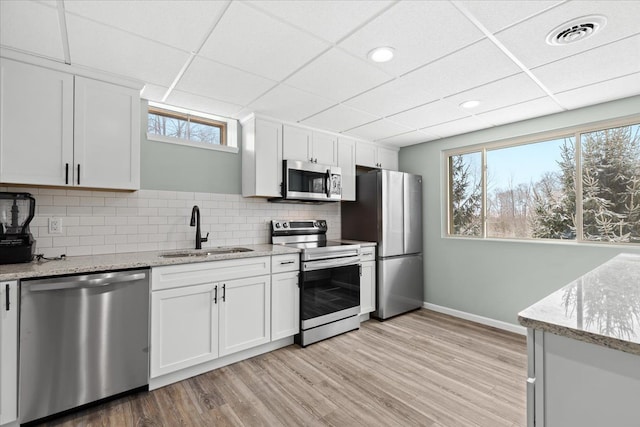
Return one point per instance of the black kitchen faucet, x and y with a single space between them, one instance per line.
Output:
195 222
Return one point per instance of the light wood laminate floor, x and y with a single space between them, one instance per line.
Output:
419 369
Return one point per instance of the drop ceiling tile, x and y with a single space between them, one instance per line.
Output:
622 87
523 111
202 104
31 27
339 118
153 92
208 78
419 31
498 14
378 130
409 138
122 53
595 65
253 41
181 24
475 65
502 93
429 115
527 39
457 127
288 103
328 19
338 76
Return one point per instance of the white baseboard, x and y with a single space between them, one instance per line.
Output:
517 329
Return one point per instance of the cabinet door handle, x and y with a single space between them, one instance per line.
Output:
78 173
6 296
66 173
215 294
286 262
360 267
224 293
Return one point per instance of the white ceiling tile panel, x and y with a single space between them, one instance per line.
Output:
409 138
288 103
339 118
378 130
498 14
527 39
595 65
181 24
208 78
104 48
253 41
523 111
202 104
502 93
456 127
610 90
419 31
328 19
31 27
429 115
338 76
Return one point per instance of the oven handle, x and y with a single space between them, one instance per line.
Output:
330 263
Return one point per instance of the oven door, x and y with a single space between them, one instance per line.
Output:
329 294
311 181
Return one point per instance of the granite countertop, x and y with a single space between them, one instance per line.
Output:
94 263
602 307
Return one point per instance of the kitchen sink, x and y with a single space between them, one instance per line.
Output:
203 252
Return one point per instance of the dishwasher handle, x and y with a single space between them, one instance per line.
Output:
87 283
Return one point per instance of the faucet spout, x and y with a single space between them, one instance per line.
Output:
195 222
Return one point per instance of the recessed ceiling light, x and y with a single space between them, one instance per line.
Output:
470 104
381 54
576 30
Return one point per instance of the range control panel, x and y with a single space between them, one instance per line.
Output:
304 226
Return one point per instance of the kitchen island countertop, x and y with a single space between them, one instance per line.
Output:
601 307
109 262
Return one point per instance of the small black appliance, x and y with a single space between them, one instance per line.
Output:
16 242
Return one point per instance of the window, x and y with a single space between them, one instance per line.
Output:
583 186
178 126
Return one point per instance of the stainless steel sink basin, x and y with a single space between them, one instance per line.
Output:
203 252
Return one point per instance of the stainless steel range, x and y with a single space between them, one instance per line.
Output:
329 279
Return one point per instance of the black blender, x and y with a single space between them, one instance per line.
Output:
16 242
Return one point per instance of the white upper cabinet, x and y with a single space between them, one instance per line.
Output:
375 156
36 125
347 163
310 146
261 158
53 135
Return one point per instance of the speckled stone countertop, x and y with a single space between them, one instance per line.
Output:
602 307
94 263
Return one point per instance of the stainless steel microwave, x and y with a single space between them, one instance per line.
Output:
311 181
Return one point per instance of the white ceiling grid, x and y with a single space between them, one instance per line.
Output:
306 61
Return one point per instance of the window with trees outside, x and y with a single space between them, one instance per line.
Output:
168 125
580 186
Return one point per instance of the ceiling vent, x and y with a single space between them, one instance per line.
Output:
576 30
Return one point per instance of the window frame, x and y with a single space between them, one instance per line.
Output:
482 148
228 128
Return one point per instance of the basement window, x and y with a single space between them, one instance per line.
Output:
183 127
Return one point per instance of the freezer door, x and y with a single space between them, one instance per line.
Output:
392 214
412 214
400 285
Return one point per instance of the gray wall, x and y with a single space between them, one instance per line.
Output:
497 279
177 168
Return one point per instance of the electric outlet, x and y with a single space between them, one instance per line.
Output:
55 225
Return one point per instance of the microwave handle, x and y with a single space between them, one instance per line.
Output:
328 181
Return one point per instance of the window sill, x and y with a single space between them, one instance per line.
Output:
192 144
583 243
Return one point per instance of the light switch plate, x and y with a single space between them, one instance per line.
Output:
55 225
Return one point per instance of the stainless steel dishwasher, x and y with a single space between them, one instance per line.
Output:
82 338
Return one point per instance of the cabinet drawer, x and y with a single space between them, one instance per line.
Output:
281 263
368 253
174 276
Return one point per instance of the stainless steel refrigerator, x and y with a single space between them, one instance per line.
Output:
388 211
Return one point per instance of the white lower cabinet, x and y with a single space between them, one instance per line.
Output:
367 280
8 352
245 314
285 304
